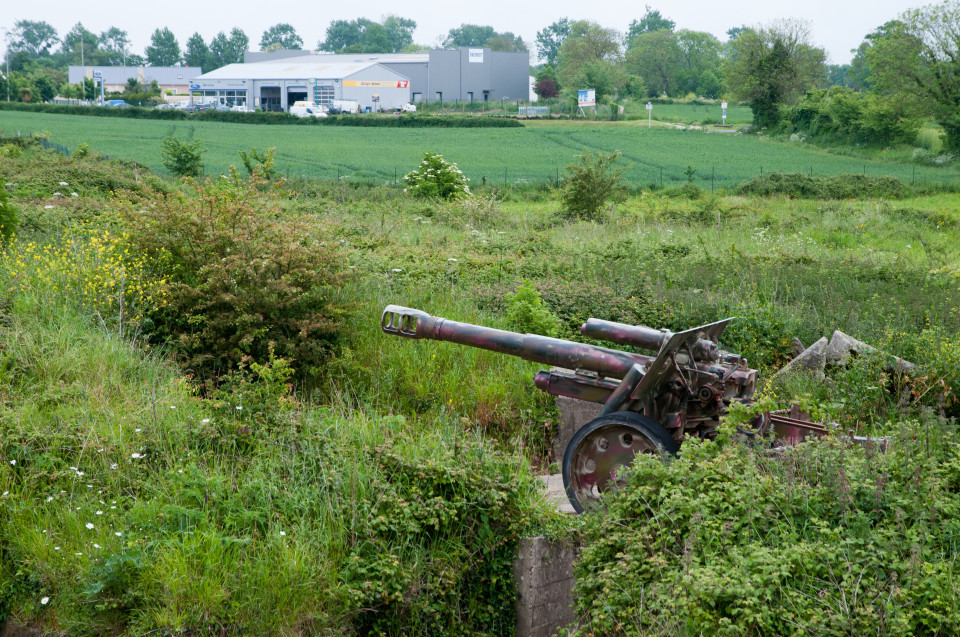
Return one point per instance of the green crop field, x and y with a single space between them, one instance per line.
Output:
535 153
699 113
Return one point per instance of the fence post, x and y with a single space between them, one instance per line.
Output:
504 177
661 176
713 172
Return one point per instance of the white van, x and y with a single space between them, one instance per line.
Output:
306 109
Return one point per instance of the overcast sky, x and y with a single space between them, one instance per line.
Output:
837 25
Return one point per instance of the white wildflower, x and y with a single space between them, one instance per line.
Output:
89 525
44 601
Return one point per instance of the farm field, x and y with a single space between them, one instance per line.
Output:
534 154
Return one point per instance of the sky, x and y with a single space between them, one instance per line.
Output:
836 25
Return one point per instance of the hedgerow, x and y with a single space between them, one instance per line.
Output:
260 117
816 187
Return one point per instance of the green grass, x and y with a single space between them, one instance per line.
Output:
320 518
698 114
534 154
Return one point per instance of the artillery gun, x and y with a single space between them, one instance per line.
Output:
650 403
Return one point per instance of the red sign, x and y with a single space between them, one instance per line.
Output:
402 83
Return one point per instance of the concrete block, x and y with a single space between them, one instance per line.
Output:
842 345
573 415
543 574
813 359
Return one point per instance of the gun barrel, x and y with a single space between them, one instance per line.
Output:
411 323
643 337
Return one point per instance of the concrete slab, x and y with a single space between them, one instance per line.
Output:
557 494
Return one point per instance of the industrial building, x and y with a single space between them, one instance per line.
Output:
175 79
379 81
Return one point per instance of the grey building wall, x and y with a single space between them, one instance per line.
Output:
511 75
497 75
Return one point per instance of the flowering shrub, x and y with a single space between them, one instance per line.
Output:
94 268
436 178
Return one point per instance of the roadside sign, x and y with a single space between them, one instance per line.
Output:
649 106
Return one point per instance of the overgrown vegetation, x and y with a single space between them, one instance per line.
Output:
828 538
342 480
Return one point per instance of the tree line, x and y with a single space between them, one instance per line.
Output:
904 71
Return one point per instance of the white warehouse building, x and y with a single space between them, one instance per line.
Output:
277 85
381 81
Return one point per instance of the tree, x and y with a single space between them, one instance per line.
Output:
468 35
197 52
114 43
399 32
655 57
163 49
237 45
773 66
650 22
506 41
546 84
590 53
79 46
699 55
366 36
282 35
550 39
920 55
342 35
226 50
35 38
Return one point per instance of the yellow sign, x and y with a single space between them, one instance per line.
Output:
377 83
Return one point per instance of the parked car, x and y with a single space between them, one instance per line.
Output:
116 103
407 108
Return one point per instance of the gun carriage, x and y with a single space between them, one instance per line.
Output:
651 403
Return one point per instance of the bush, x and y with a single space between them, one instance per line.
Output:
436 178
527 313
835 187
183 159
240 277
825 538
590 182
842 115
254 160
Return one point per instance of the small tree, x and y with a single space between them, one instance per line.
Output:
436 178
184 159
591 181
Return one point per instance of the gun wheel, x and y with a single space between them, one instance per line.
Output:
600 449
